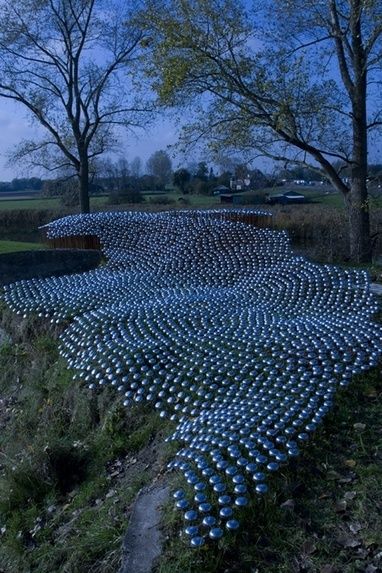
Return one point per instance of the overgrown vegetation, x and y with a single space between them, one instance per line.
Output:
321 231
71 461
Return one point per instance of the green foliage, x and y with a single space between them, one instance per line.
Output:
159 164
180 178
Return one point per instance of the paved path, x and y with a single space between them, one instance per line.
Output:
142 543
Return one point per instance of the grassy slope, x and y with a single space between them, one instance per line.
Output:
323 512
72 462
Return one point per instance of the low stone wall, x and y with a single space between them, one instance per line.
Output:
45 263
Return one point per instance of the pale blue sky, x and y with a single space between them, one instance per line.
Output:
15 126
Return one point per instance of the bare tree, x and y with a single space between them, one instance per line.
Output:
71 63
292 83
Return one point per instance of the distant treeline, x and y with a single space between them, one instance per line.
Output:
31 183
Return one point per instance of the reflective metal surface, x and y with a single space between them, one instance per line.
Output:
223 330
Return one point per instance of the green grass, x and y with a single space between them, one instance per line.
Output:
38 203
72 461
332 200
42 203
172 199
177 199
15 246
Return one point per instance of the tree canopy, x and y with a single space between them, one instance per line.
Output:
159 164
71 64
287 80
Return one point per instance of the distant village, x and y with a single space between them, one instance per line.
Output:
233 183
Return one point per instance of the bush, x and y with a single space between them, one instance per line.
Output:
70 196
133 196
162 200
23 224
320 231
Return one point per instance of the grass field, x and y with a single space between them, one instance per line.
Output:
15 246
41 203
172 199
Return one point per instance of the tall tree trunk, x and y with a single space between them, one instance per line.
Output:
84 184
359 222
357 199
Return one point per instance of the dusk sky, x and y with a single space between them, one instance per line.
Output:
15 125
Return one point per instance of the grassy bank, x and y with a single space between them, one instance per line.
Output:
71 462
323 511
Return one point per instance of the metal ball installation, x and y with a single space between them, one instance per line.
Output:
223 329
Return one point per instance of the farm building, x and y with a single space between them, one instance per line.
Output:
286 198
220 189
230 198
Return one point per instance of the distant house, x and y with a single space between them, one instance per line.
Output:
240 184
287 198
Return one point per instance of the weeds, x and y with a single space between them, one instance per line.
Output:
71 461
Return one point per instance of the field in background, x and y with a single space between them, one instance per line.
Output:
15 246
41 203
315 195
318 229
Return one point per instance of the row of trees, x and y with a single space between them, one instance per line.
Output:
295 81
31 183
